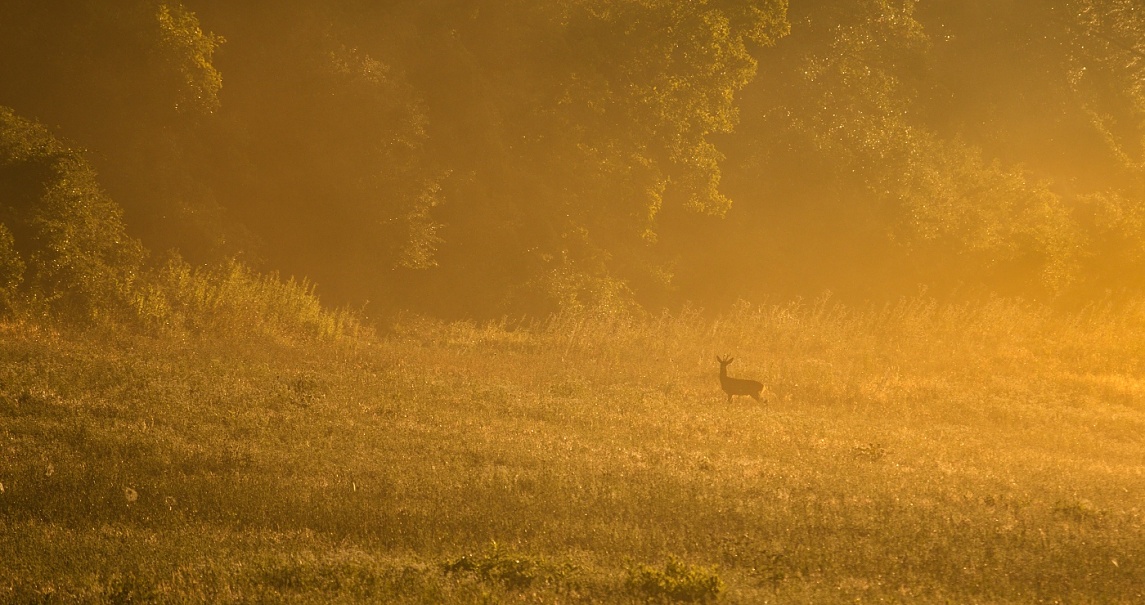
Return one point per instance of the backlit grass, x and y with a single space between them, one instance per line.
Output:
917 452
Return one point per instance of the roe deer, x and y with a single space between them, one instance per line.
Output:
737 386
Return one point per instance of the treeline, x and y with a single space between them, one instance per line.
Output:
65 256
482 157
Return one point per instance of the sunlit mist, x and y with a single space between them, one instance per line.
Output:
579 301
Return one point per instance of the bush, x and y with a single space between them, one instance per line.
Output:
231 300
677 581
512 570
65 239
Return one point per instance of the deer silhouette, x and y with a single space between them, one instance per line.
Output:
737 386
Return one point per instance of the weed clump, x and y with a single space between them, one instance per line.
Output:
512 570
677 581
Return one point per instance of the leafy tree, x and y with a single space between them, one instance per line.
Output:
581 123
1108 74
518 152
335 182
11 271
188 51
60 230
905 135
133 81
483 156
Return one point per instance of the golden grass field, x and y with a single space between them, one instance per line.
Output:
991 452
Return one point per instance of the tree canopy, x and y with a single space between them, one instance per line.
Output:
481 157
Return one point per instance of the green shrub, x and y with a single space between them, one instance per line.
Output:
77 259
677 581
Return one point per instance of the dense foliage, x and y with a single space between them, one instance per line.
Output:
60 235
482 157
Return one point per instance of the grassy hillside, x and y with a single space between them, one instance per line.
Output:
914 453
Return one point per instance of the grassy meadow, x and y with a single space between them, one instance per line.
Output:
920 452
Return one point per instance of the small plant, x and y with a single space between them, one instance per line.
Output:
1079 511
869 451
128 588
514 571
677 581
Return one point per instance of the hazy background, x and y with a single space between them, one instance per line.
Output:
477 158
198 200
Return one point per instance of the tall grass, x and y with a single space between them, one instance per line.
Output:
231 300
915 452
